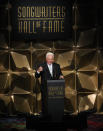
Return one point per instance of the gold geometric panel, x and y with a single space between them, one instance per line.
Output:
70 93
87 39
100 92
45 45
86 60
21 103
38 57
4 60
4 104
36 103
66 59
21 83
63 44
36 86
100 101
87 81
100 79
86 102
27 103
20 61
4 83
70 103
69 77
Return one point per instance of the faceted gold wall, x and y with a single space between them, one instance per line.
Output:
81 61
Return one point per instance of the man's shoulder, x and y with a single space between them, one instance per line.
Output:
43 64
56 64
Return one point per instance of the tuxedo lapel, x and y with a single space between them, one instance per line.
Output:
47 69
54 70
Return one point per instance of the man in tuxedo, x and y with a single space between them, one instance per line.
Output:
49 70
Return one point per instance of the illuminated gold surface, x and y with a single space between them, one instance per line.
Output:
69 79
65 59
21 103
100 101
20 61
86 102
21 81
100 93
70 104
4 83
86 60
87 81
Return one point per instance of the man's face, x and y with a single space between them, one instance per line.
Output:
50 59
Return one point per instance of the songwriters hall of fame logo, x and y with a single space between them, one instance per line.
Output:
47 18
32 20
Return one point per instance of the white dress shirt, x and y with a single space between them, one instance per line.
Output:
50 66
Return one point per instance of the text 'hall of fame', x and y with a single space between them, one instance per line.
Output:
33 19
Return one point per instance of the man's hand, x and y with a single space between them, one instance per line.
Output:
61 77
40 69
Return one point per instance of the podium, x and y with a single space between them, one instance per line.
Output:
55 92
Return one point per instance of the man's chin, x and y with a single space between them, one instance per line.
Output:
49 63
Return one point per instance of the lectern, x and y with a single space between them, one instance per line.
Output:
55 92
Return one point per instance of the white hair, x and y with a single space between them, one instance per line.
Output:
49 53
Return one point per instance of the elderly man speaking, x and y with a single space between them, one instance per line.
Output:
48 71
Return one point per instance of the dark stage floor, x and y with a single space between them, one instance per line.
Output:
93 122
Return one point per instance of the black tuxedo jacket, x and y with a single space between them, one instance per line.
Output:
45 74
